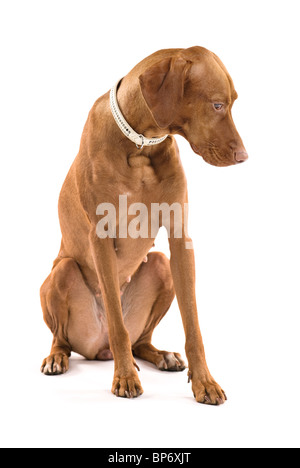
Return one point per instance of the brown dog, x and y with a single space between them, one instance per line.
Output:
105 296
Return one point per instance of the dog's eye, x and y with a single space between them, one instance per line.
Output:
218 106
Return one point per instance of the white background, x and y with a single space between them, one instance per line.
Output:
57 58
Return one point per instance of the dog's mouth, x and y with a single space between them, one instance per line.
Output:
213 157
195 149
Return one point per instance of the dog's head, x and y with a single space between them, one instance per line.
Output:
192 94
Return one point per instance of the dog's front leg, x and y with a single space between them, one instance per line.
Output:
205 389
126 382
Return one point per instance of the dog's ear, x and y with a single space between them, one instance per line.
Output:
162 86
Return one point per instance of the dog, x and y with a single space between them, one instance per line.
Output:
106 294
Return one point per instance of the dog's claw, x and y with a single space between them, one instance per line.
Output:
136 366
127 387
55 364
171 362
207 391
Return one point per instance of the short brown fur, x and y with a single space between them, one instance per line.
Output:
88 302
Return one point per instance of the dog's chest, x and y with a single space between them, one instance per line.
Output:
142 172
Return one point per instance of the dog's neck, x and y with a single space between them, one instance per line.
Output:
139 139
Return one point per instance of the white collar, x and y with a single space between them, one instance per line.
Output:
139 140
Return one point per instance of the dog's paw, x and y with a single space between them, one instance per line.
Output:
127 386
207 391
55 364
171 362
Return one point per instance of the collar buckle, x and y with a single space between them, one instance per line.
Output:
143 142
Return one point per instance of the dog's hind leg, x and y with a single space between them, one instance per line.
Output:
54 300
75 317
145 303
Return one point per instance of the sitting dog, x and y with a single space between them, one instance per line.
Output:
106 293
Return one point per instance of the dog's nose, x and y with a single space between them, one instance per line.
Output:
241 156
